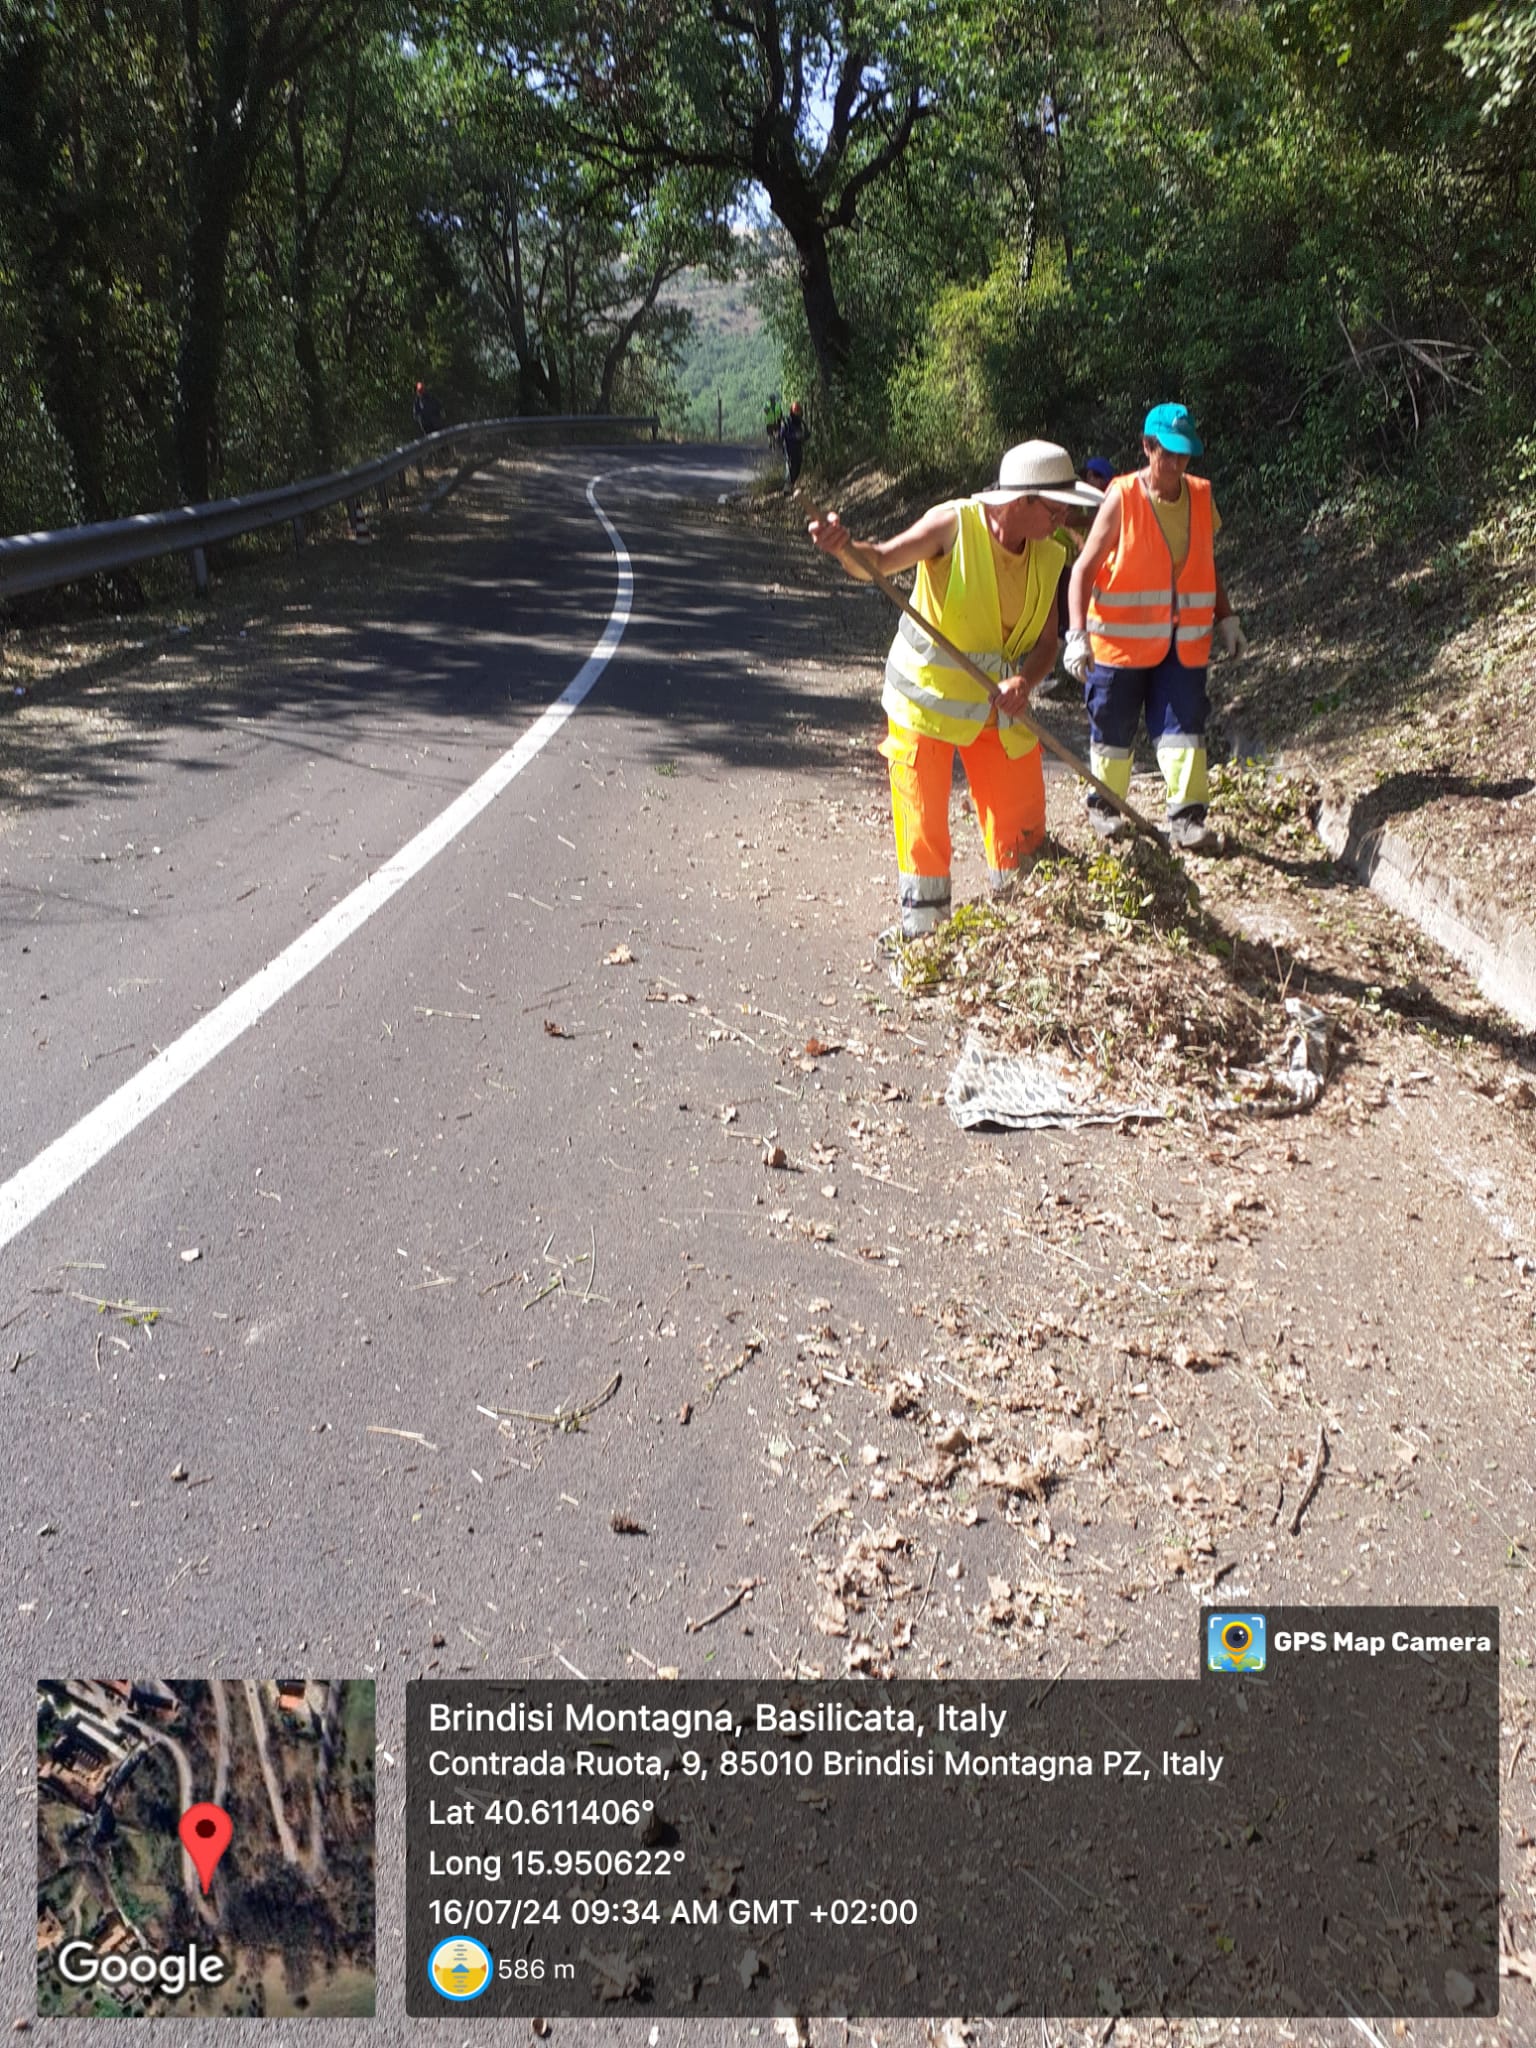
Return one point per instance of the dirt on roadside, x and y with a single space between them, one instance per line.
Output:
1403 669
1151 1339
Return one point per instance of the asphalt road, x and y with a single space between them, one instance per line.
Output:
504 1144
476 1157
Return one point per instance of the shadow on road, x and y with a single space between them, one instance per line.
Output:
478 617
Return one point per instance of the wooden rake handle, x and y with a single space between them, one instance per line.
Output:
978 674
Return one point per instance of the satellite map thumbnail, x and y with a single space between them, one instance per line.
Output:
284 1927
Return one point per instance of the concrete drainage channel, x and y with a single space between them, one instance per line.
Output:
1498 948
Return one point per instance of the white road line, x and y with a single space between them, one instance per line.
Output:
28 1193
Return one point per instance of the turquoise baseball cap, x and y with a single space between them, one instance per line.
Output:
1172 426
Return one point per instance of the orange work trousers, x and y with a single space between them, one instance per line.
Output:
1009 796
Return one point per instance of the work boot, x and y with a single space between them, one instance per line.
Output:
1189 833
1107 824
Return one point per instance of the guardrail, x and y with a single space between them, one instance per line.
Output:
38 561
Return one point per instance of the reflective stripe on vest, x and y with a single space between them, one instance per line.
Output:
1132 620
926 691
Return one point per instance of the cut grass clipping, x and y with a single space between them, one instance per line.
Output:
1109 959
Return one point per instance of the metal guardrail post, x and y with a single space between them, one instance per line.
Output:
198 562
298 532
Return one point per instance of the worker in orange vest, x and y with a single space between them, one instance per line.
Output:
1145 601
987 569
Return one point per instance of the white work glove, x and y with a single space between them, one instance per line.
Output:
1077 655
1230 636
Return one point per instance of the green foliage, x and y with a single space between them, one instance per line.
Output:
729 357
1497 50
941 956
1310 220
226 263
977 379
36 483
1313 221
943 399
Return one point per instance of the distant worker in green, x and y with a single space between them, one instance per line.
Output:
1145 601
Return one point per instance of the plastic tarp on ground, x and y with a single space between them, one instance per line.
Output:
1038 1091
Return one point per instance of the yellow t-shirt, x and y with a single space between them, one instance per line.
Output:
1173 518
1012 577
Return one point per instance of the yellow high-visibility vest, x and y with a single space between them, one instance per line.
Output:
1141 603
924 690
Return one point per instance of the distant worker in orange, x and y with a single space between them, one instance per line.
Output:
427 412
1145 600
987 570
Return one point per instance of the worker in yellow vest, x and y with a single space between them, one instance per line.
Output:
987 570
1145 601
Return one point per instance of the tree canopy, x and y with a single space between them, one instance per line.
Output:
233 233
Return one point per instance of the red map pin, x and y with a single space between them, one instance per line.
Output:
205 1832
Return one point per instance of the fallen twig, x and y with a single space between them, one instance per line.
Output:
508 1280
839 1504
568 1419
749 1351
134 1311
1050 1687
933 1572
970 1393
740 1594
1314 1479
883 1180
410 1436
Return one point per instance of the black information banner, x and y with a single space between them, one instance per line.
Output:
1310 1828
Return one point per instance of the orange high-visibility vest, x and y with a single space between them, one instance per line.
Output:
1140 602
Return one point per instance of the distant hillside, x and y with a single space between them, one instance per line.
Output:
730 359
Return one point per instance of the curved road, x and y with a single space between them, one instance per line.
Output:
446 1164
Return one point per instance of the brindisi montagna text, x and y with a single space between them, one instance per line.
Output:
585 1717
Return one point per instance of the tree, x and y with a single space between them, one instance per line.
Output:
84 138
237 58
565 259
815 101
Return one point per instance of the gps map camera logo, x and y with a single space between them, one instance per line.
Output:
460 1968
1234 1642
